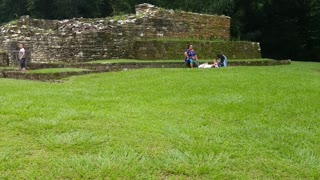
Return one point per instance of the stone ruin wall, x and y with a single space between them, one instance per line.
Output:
76 40
168 49
4 60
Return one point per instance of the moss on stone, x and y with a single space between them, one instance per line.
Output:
174 49
13 22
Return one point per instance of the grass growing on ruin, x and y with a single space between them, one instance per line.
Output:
6 68
187 40
55 70
109 61
228 123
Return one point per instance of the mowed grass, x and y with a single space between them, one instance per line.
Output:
228 123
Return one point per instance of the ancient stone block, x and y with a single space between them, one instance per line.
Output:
174 49
4 60
80 39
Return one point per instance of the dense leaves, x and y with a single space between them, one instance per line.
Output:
57 9
284 30
292 31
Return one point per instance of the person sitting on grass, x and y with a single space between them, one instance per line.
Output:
222 60
191 57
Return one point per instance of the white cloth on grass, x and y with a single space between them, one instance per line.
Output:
206 65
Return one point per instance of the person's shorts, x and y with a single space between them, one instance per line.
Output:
189 61
23 63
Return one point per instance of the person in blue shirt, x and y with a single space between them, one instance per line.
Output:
191 57
222 60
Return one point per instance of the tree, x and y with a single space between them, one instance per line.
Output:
313 41
10 9
81 8
40 8
57 9
247 19
287 29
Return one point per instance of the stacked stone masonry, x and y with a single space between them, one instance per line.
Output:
4 60
78 40
168 49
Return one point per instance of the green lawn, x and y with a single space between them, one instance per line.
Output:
228 123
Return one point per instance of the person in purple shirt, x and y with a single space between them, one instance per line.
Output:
191 57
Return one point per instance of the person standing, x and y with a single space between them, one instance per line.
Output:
22 58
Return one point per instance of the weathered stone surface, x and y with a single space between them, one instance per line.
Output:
174 49
4 60
80 39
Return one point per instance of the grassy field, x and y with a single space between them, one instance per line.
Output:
236 122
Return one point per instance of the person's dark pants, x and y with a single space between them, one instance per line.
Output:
23 63
196 64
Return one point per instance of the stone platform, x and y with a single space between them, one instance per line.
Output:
112 67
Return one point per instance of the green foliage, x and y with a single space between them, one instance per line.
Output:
58 9
119 17
228 123
13 22
313 36
6 68
10 9
285 32
286 28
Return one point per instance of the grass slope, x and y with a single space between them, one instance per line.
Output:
237 122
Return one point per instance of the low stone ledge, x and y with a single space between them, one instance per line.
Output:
43 76
98 68
135 65
109 66
260 63
174 49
